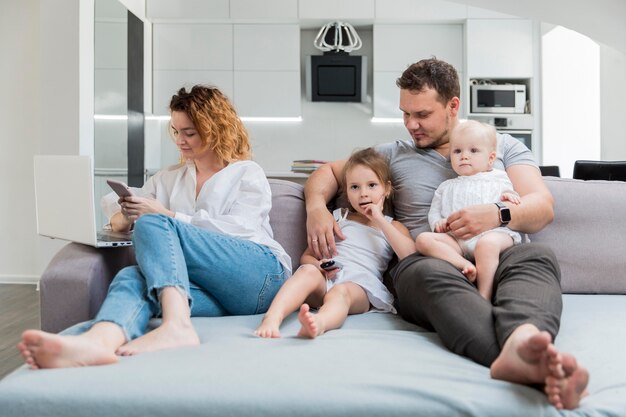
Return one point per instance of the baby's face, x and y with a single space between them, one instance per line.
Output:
470 154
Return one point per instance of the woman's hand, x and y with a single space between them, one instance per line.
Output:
134 207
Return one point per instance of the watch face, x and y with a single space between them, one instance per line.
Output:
505 215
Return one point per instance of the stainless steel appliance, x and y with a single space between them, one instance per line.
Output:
498 98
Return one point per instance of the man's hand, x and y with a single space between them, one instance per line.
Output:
321 230
473 220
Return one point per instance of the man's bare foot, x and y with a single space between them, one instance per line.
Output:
567 382
310 327
269 328
469 270
167 336
524 357
48 350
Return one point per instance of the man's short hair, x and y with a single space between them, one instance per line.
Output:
431 73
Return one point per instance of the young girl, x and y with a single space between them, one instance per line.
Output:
472 153
355 285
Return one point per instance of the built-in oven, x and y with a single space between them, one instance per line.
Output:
524 136
518 126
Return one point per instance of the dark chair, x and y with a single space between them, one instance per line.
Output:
600 170
550 170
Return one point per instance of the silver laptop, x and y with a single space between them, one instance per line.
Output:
64 200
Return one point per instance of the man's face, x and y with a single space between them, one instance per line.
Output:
428 120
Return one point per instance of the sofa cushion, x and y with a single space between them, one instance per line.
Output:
288 218
588 234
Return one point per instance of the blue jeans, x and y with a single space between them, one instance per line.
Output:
221 275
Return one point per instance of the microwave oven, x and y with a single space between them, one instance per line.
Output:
498 98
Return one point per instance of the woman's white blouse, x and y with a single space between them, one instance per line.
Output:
236 201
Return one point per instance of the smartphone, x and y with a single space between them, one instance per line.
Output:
330 265
120 188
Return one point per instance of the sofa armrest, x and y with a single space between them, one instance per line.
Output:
76 281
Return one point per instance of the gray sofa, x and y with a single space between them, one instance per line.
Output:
376 365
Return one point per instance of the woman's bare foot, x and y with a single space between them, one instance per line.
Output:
469 270
48 350
167 336
567 382
310 327
269 327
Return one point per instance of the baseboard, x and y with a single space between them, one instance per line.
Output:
19 279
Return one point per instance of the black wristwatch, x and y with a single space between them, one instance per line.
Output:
504 214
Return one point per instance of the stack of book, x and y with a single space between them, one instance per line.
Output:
306 166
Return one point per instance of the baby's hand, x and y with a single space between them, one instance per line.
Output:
442 226
511 197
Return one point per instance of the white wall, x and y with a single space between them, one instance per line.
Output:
19 113
46 107
612 93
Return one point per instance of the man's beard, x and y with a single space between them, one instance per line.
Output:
436 142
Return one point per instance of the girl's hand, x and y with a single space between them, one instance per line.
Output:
511 197
134 207
374 211
328 273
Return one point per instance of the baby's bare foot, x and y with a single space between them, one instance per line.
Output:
310 327
48 350
269 328
167 336
469 270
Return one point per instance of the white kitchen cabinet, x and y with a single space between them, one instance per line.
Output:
188 9
267 93
336 9
499 48
266 9
398 46
266 47
167 82
192 46
420 11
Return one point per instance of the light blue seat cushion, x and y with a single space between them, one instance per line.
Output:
376 365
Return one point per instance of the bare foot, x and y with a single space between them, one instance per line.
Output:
525 356
269 328
167 336
567 382
48 350
469 270
310 326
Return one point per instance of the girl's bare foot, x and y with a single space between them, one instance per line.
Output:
469 270
269 328
167 336
567 382
310 327
48 350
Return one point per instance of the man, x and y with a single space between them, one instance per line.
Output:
513 333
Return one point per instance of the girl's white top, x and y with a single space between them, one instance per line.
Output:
236 201
365 255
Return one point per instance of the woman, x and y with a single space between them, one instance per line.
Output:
194 223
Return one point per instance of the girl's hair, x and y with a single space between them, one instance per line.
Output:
216 121
373 160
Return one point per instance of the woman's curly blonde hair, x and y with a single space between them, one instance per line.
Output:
216 121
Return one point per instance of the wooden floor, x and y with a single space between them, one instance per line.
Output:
19 310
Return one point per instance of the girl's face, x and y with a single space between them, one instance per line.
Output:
363 187
186 136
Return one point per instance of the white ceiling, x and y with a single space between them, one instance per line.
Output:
602 20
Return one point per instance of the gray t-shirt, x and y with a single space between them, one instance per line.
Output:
416 174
